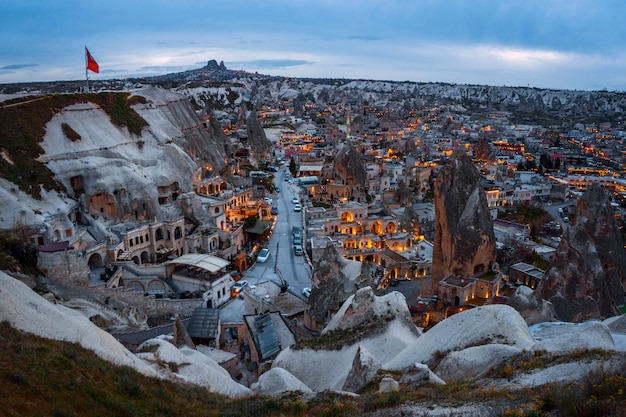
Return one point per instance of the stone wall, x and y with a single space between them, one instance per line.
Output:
64 265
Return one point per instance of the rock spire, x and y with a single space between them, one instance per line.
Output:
464 240
585 279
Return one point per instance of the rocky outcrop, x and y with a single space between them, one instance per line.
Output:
277 381
532 308
490 324
334 280
364 369
113 172
596 216
475 361
349 166
410 221
181 335
464 239
365 332
584 280
256 135
483 152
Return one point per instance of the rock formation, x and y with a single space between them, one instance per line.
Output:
334 280
181 335
532 308
256 135
409 221
364 369
110 170
349 166
584 281
482 151
464 240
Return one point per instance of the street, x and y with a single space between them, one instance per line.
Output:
282 261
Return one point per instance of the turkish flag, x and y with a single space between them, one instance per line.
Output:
92 65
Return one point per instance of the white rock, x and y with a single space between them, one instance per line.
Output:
190 365
419 373
478 326
474 361
277 381
388 384
563 337
27 311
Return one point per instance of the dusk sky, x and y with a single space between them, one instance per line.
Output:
562 44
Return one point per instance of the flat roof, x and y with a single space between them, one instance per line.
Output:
207 262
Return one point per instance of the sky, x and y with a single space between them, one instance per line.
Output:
559 44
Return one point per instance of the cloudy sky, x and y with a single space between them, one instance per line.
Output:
564 44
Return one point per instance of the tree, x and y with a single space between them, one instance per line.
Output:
293 168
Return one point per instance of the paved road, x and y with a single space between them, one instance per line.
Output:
553 209
282 261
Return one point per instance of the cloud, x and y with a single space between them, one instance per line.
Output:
269 63
365 37
17 66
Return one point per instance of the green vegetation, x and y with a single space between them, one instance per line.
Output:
70 133
15 256
23 126
43 377
337 339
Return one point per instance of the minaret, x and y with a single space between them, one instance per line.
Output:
347 125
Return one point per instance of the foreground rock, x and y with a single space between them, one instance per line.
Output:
366 331
191 366
277 381
491 324
28 311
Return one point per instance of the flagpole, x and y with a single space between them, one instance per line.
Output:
86 73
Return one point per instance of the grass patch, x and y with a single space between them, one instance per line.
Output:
42 377
337 339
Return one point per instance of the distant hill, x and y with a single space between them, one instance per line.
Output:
531 105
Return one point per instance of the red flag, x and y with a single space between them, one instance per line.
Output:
92 65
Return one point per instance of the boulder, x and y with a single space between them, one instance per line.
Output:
388 384
474 361
563 338
190 366
533 309
364 368
277 381
490 324
418 374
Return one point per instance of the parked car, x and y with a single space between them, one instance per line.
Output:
306 291
297 207
268 200
263 255
295 200
274 210
297 249
297 240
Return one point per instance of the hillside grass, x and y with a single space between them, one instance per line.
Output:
23 126
43 377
